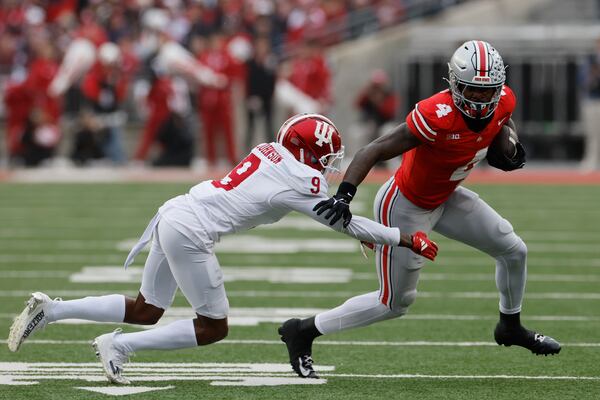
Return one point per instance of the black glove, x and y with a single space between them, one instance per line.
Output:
338 205
499 160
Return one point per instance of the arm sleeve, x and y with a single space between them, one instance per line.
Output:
360 228
420 124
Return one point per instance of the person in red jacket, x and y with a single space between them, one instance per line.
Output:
214 104
159 109
24 98
310 73
377 103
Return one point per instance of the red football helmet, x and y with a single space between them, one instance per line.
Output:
314 140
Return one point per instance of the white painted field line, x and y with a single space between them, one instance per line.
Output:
316 294
490 277
427 317
296 274
292 273
476 260
487 262
418 343
465 377
20 274
80 259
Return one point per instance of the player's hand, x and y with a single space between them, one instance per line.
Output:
423 246
337 207
502 161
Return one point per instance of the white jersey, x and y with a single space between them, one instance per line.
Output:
265 186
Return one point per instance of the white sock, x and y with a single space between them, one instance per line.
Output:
110 308
177 335
357 311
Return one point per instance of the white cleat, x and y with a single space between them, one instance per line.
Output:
111 357
33 318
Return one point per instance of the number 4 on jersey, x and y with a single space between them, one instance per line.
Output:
443 110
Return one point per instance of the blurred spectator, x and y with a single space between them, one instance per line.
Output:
591 110
104 88
176 141
162 31
214 104
29 96
310 73
260 87
40 138
166 60
362 20
204 19
377 103
157 102
89 140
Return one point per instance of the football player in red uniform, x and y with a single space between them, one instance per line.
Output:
443 137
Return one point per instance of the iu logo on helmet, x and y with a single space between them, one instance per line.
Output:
323 133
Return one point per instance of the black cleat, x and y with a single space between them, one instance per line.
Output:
299 348
536 342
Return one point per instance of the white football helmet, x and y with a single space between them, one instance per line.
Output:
476 64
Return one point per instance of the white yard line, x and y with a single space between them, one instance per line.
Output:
298 273
20 274
419 343
316 294
572 278
424 376
443 317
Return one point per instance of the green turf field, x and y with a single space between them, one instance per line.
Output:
55 238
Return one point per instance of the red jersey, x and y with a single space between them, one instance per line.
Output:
430 172
220 62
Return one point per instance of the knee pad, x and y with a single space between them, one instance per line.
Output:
400 306
517 255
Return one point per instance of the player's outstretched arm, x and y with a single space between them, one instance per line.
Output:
395 143
386 147
360 228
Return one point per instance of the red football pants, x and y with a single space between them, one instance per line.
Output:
215 120
156 118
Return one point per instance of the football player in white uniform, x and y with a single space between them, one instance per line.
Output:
274 179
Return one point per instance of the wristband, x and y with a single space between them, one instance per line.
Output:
347 189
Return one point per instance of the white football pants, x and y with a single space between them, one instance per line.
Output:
176 261
463 217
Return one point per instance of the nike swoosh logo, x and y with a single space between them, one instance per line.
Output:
115 370
303 371
501 121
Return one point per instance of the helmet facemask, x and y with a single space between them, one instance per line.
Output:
471 108
332 164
